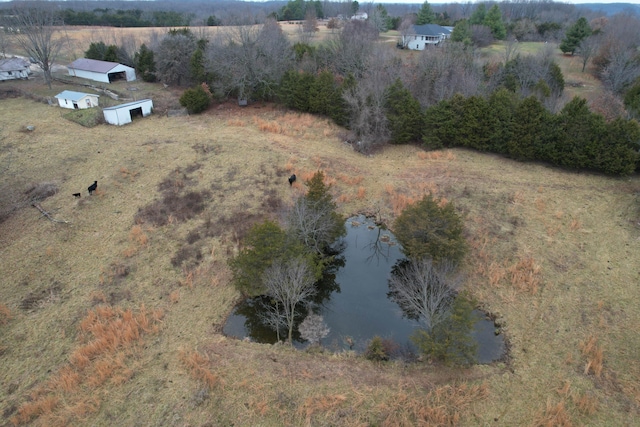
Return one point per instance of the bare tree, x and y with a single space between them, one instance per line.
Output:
313 328
173 57
425 290
621 70
290 284
249 61
37 31
309 26
314 223
511 49
587 48
438 74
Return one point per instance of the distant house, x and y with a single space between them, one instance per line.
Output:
14 68
124 113
360 16
420 36
101 71
77 100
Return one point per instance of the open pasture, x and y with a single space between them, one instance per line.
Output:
117 311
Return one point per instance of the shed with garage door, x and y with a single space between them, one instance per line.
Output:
125 113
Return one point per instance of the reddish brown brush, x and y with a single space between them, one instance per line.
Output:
31 410
594 355
198 366
5 314
554 415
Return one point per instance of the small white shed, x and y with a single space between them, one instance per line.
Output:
124 113
77 100
14 68
101 71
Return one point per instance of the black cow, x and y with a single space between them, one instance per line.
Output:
292 179
93 187
77 195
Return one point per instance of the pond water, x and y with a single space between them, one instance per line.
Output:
354 303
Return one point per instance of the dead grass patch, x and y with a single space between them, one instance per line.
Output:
5 314
554 415
594 356
198 366
443 406
106 334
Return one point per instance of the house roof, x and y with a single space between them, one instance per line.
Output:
93 65
128 104
73 96
430 30
13 64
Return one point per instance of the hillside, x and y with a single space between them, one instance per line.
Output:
117 311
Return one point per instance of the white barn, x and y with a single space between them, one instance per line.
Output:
14 68
420 36
77 100
101 71
124 113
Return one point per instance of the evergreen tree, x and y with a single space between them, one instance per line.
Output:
450 340
294 90
197 66
478 15
502 105
493 20
325 97
619 152
530 127
145 64
96 50
195 100
439 126
581 131
575 34
426 14
111 54
403 114
428 229
632 99
462 32
265 243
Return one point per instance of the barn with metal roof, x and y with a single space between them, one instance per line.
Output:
101 71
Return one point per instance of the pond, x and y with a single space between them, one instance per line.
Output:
354 303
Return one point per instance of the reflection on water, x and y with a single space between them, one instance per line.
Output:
353 299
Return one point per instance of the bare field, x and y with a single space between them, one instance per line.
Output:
118 312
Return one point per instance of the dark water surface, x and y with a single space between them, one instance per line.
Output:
354 303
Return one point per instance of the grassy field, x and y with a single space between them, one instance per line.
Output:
115 309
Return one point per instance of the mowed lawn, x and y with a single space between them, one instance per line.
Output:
106 315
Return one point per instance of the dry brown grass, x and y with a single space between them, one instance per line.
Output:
5 314
594 355
197 364
548 292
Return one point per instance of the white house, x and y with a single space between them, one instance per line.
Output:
14 68
101 71
124 113
419 36
77 100
360 16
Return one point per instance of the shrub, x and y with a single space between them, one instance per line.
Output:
195 100
428 229
450 341
376 350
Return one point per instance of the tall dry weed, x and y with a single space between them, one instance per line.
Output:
525 275
198 366
554 415
28 411
594 355
5 314
443 406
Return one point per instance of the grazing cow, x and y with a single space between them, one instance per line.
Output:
292 179
77 195
93 187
